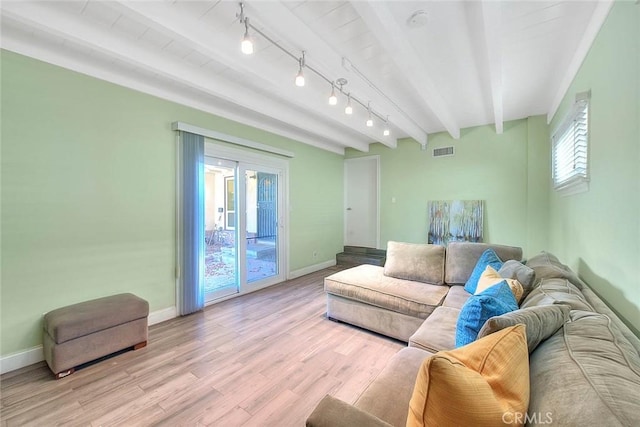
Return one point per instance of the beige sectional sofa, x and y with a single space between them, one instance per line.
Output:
585 372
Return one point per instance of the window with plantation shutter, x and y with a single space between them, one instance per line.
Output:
570 141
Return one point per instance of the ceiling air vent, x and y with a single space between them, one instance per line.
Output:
443 151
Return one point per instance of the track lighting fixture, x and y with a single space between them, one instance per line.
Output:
348 109
300 76
248 47
333 99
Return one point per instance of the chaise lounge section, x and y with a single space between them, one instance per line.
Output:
394 300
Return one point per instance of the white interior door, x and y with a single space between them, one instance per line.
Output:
362 224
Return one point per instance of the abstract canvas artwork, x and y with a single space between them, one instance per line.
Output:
455 221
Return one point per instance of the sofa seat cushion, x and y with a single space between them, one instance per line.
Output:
475 385
456 297
587 373
387 397
556 291
368 284
412 261
438 331
462 258
77 320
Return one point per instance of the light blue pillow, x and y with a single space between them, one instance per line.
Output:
488 257
496 300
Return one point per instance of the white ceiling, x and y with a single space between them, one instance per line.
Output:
472 63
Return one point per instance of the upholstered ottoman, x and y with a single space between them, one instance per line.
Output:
86 331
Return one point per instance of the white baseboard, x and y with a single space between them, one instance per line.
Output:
20 359
23 358
311 269
163 315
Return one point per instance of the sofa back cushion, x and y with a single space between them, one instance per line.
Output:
556 291
586 374
547 266
462 258
540 321
475 385
418 262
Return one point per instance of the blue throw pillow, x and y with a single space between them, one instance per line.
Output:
488 257
496 300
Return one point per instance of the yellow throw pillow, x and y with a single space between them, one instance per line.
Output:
491 277
485 383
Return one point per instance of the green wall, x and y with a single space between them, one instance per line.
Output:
598 232
486 166
88 194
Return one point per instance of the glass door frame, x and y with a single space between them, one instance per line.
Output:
252 160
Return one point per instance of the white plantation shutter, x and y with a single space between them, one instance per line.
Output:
570 146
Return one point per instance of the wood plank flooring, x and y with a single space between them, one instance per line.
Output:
262 359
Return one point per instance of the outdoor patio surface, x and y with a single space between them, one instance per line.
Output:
220 264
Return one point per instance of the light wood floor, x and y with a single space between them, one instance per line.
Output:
263 359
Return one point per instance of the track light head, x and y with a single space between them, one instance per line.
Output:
369 122
348 109
369 118
247 44
386 130
300 76
333 99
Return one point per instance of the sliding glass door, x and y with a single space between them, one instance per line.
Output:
243 219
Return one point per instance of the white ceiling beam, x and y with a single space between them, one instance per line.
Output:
223 48
492 21
376 15
598 17
49 19
281 23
